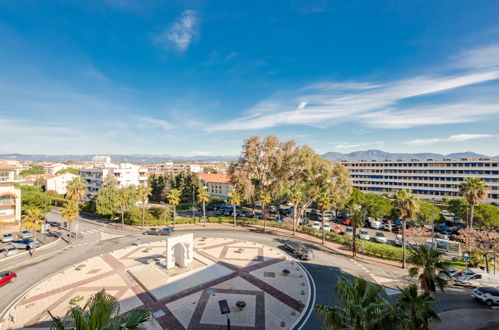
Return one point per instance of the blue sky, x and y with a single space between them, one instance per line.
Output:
197 77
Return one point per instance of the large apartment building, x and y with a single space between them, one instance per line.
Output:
125 174
218 185
10 200
430 179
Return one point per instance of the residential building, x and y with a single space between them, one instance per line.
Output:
53 168
35 179
101 159
10 200
59 183
430 179
124 173
218 185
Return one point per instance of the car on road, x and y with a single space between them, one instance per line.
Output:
25 234
166 231
8 251
486 295
364 234
337 229
7 277
349 231
316 225
291 246
379 237
7 238
152 231
305 253
398 240
24 244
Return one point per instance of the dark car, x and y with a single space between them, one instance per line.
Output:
152 231
24 244
291 246
7 277
167 231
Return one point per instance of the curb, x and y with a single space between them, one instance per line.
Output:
301 321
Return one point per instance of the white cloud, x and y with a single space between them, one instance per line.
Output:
358 145
452 138
378 104
181 32
148 122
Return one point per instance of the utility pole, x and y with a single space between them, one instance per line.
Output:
432 225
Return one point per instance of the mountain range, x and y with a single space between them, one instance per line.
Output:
333 156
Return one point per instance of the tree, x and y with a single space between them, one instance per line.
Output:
70 212
203 197
235 200
417 235
33 169
376 206
76 191
357 215
324 203
361 308
474 190
265 200
106 202
486 216
408 206
174 199
295 196
458 206
426 212
143 191
100 312
428 263
33 197
419 308
32 220
482 241
127 197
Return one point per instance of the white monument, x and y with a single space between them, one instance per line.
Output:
179 250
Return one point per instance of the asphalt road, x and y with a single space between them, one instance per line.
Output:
326 268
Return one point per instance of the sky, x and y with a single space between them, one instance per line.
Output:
197 77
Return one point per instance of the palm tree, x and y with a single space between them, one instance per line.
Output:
408 205
428 263
76 191
474 191
32 220
324 202
356 220
203 197
174 199
361 308
70 212
144 190
419 308
265 199
100 312
235 200
123 200
295 195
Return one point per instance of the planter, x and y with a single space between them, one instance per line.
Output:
240 304
285 272
76 300
241 250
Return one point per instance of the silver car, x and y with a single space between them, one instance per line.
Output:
167 231
26 234
7 238
152 231
8 251
305 253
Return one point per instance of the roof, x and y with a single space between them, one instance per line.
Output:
215 178
7 167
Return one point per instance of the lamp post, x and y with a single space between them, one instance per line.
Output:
432 225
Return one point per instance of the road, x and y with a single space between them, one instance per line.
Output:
326 268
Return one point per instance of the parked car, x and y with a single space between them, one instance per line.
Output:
152 231
305 253
487 295
8 251
337 229
390 227
291 246
7 277
349 231
377 224
398 240
54 224
327 216
327 227
364 234
7 238
166 231
380 237
316 225
346 222
26 234
24 244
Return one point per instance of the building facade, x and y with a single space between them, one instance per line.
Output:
218 185
125 174
430 179
10 200
53 168
59 183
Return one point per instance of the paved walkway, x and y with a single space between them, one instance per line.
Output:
273 300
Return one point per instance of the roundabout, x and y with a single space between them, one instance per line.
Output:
263 286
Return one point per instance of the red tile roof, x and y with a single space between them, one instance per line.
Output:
216 178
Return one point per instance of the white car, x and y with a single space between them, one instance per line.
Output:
349 231
327 216
398 240
7 238
487 295
316 225
376 224
380 237
25 234
327 227
364 234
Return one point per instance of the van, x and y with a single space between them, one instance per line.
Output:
377 224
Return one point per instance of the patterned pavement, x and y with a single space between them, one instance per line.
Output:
274 300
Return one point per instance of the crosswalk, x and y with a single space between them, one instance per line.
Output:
90 239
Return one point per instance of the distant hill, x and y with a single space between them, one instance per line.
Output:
381 155
117 158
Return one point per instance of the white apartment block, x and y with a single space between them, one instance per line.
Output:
429 179
10 200
174 168
218 185
53 168
125 174
59 183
